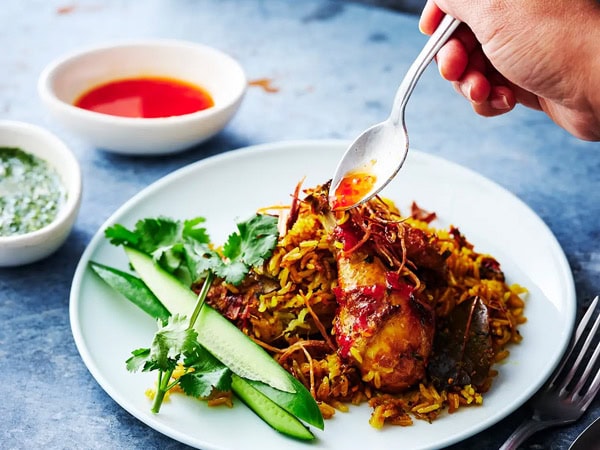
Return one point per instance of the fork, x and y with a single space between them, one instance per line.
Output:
567 395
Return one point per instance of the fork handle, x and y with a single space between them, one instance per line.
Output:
525 430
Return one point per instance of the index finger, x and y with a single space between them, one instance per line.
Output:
431 17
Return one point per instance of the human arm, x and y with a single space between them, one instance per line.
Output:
544 55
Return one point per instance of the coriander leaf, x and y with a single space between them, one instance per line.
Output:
255 242
168 242
200 258
183 248
207 373
156 234
170 257
259 236
138 359
171 341
201 384
233 272
193 230
249 247
233 247
119 235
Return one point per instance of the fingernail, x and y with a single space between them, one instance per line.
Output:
465 88
499 102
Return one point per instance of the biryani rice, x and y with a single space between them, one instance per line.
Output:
292 319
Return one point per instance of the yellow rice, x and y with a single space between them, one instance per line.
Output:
293 320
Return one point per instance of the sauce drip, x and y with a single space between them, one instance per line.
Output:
31 192
145 97
265 83
354 186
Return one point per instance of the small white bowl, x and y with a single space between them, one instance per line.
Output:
25 248
64 80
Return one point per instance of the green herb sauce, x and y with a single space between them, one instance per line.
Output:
31 192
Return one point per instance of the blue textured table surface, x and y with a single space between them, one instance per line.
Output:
336 66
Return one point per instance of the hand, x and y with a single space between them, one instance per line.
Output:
542 54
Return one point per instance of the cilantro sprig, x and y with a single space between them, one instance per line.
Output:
184 249
175 343
249 247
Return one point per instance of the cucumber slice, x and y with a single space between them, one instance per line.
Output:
275 416
176 297
217 334
300 404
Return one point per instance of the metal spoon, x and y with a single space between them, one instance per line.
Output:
377 155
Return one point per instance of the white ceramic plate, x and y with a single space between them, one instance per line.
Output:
232 186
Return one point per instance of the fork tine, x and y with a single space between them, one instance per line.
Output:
581 355
595 385
592 360
580 329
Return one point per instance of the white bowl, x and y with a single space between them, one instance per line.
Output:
64 80
25 248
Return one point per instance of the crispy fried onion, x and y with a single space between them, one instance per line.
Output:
385 233
288 360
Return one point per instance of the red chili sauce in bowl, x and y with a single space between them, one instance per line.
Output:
145 97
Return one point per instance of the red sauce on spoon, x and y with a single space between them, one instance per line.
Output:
354 186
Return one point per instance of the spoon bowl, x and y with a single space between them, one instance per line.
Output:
364 173
377 155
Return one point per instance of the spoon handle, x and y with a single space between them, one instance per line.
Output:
433 45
